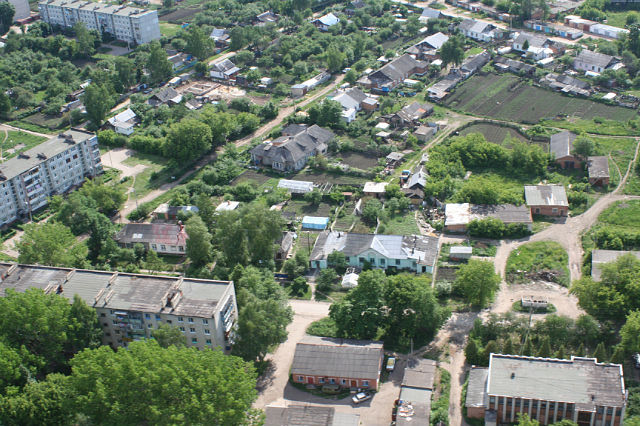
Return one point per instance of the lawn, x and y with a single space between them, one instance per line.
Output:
14 142
543 260
169 30
303 208
617 19
400 224
152 176
473 51
616 228
325 327
621 150
507 97
305 296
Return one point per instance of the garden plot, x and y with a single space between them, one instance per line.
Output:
493 133
358 160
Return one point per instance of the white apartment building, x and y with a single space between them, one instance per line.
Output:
125 23
53 167
131 306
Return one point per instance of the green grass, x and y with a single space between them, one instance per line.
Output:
541 223
144 181
622 214
401 224
617 19
473 51
169 30
530 259
508 98
325 327
621 150
599 127
15 138
305 296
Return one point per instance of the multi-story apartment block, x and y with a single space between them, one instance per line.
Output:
53 167
123 22
131 306
579 389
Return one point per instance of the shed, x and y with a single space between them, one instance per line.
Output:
460 253
315 222
296 186
227 206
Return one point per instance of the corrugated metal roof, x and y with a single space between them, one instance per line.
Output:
476 389
545 195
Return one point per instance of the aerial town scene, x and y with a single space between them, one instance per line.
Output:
320 212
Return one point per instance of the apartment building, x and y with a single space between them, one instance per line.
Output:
548 390
125 23
131 306
53 167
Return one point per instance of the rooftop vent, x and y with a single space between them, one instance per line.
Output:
513 376
41 156
24 156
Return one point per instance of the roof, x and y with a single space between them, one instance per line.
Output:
418 179
152 233
416 407
475 26
601 257
461 250
167 94
415 111
329 19
476 389
227 206
118 290
545 195
429 13
296 186
295 145
219 34
165 208
423 249
473 63
419 374
507 213
325 356
397 70
375 187
308 415
456 214
36 155
436 40
225 66
593 58
533 39
582 381
314 220
598 167
123 117
561 144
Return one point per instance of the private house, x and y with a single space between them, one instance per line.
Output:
291 152
394 159
442 88
221 38
529 40
166 96
502 63
285 244
566 84
425 133
602 257
415 253
413 189
131 306
429 13
123 122
308 415
301 89
415 393
598 169
227 206
593 61
180 61
343 362
265 18
582 390
352 101
411 114
224 70
458 216
427 49
327 21
163 238
472 64
375 189
393 74
561 146
479 30
165 212
547 200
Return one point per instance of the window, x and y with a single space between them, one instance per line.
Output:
182 329
206 331
321 380
361 259
105 324
180 319
209 342
163 247
343 382
192 330
147 316
191 320
301 378
117 331
107 334
158 317
149 325
169 321
365 383
372 261
194 340
382 261
332 381
397 262
103 315
114 321
205 321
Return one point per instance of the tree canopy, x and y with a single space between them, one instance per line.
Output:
477 281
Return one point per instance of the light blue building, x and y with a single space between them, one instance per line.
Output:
416 253
315 222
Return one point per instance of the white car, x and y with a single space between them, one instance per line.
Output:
391 363
361 397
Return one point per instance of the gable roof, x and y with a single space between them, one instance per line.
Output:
561 144
296 147
435 40
473 25
154 233
473 63
325 356
346 101
594 58
533 39
329 19
167 94
417 179
398 69
357 94
225 67
545 195
415 111
429 13
123 117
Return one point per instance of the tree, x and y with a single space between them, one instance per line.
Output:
618 355
472 352
326 280
147 384
351 77
299 286
337 260
490 348
198 43
545 348
508 348
158 65
5 102
630 333
600 353
167 335
525 420
125 70
97 102
561 354
7 12
199 241
452 51
85 330
583 146
525 45
108 198
188 140
335 59
153 263
314 197
528 348
371 210
86 40
50 244
477 281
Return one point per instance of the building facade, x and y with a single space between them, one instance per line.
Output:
125 23
131 306
53 167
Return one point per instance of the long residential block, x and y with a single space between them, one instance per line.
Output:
53 167
131 306
125 23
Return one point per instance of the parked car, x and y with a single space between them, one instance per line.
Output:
391 363
361 397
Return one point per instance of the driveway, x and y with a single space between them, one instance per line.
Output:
274 386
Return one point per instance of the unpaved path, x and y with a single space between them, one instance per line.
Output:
6 127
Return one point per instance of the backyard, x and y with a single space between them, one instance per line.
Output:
152 176
507 97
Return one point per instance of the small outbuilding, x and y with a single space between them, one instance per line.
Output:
315 222
458 253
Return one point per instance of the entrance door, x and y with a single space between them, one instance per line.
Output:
310 380
354 383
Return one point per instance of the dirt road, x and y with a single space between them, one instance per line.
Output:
4 126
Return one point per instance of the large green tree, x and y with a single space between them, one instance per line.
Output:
199 242
86 40
167 335
452 51
198 43
477 281
187 140
157 63
7 12
50 244
98 102
630 333
108 198
148 384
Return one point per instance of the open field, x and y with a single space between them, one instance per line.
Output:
179 15
621 151
506 97
153 165
169 30
16 142
543 260
493 133
358 160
